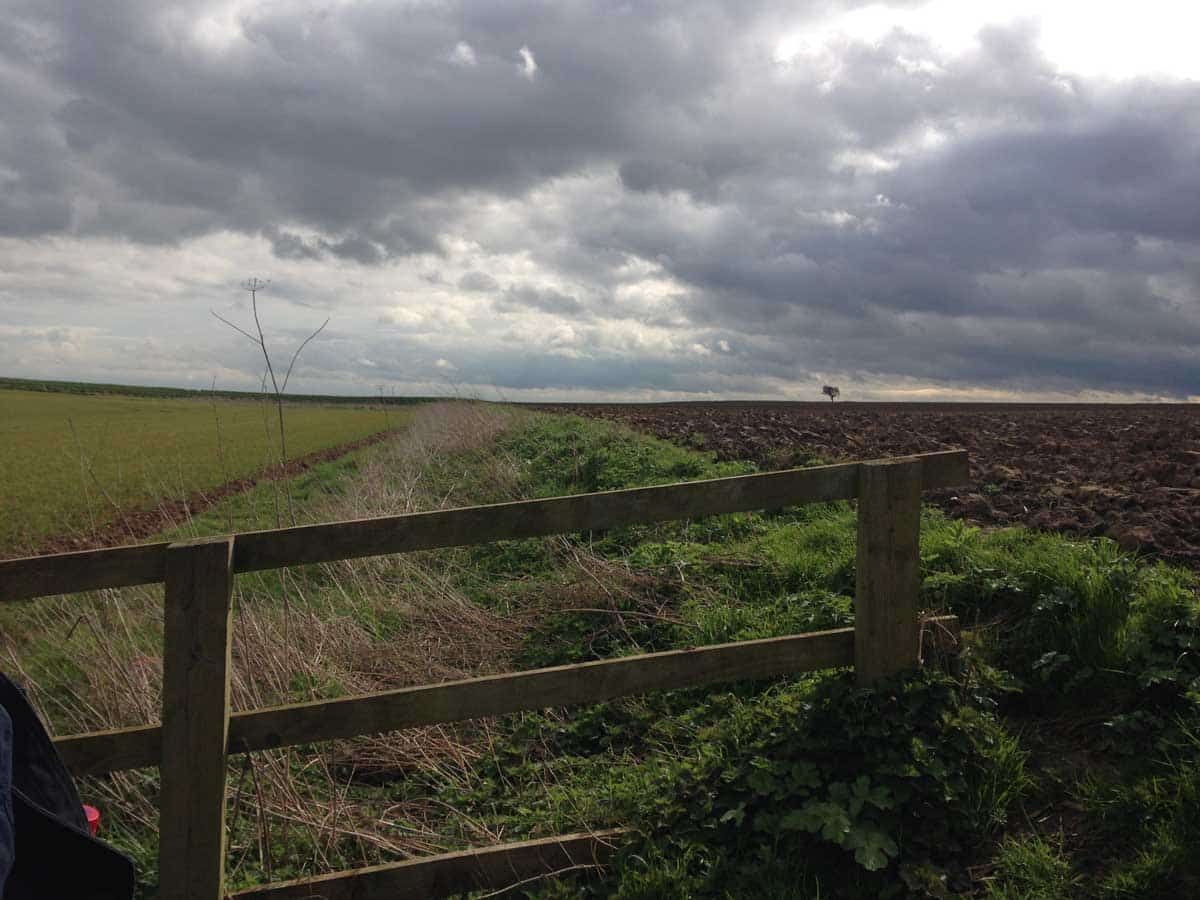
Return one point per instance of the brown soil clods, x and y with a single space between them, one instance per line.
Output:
1131 472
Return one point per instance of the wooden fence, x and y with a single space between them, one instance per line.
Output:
198 731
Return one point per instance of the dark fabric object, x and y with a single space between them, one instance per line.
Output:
54 857
7 837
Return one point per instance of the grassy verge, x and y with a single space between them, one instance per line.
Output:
1058 758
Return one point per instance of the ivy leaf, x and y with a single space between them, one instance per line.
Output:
872 849
827 819
878 796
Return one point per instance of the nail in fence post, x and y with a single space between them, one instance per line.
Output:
195 719
888 569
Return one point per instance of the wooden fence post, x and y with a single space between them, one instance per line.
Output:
888 569
195 719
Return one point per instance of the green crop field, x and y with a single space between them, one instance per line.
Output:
69 461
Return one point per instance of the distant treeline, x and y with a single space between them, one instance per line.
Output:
128 390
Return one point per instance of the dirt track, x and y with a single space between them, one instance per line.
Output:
1129 472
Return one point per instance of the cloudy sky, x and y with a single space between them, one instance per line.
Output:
571 200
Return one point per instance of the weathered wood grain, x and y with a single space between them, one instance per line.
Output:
488 868
85 570
887 571
592 682
196 643
97 752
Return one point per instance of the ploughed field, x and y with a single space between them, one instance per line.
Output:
1130 472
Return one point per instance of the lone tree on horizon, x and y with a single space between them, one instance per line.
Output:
831 392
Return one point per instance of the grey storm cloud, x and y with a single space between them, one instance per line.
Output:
544 299
477 281
344 120
978 218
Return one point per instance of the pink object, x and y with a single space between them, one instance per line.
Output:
93 818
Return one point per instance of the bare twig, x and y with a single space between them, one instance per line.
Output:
253 286
235 327
304 344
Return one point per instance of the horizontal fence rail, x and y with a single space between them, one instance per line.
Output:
99 752
257 550
488 868
493 695
84 570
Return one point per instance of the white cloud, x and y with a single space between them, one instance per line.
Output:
463 54
529 66
1084 37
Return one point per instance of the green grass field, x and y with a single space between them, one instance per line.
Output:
72 461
